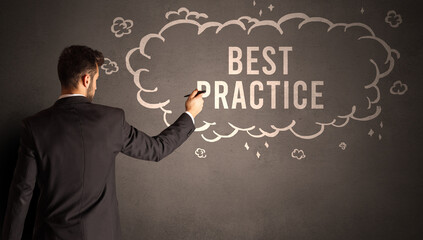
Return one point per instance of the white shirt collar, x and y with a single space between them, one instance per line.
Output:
70 95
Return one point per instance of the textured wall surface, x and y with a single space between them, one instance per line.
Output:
311 124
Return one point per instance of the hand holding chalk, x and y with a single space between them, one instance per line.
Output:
194 103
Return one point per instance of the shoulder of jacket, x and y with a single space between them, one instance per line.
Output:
105 107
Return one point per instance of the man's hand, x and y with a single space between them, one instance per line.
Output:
194 104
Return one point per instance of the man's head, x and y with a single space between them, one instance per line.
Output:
78 70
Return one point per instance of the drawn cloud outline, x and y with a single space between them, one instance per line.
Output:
201 153
396 88
109 66
392 16
258 23
124 26
298 154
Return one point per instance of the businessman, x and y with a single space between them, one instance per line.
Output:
69 151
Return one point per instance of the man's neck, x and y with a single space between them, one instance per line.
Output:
69 93
73 91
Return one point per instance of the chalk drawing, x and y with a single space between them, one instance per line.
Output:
188 14
109 66
298 154
253 23
398 88
271 7
121 26
246 146
393 19
201 153
371 132
343 145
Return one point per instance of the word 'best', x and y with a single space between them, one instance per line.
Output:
236 61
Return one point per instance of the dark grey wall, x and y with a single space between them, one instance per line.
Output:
294 184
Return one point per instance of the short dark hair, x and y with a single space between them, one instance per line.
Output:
76 61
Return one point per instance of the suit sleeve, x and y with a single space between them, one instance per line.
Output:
22 186
139 145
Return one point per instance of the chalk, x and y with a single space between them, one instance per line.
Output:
199 92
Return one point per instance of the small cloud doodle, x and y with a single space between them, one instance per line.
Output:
201 153
121 26
343 145
109 66
393 19
398 88
298 154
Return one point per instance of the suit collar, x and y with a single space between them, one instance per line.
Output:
72 100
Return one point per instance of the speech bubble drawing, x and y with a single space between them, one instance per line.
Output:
370 90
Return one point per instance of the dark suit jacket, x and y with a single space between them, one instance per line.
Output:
69 149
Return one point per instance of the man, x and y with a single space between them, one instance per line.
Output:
69 149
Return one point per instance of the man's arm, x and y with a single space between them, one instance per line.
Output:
139 145
22 186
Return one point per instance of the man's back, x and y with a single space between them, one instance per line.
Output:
77 143
70 150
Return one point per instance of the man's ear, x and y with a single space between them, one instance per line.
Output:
86 79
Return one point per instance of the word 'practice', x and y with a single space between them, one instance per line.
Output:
221 90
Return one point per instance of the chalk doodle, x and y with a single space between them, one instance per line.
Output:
247 24
398 88
343 145
372 132
262 6
201 153
121 27
246 146
393 19
298 154
109 66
